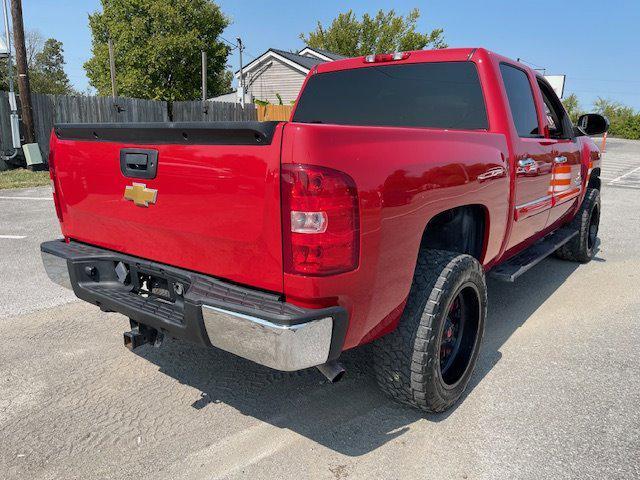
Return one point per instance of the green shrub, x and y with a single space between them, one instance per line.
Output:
625 121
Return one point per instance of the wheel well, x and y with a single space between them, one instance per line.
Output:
594 179
461 229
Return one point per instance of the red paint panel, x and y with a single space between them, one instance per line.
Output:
404 177
217 209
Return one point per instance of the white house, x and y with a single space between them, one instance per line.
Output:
278 72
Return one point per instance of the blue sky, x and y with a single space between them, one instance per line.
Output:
595 43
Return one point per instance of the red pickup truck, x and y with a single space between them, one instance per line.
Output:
371 217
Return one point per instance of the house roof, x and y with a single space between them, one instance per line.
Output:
322 53
296 60
306 62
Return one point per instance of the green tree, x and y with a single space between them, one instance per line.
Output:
386 32
624 120
33 42
45 61
572 106
47 73
4 76
157 48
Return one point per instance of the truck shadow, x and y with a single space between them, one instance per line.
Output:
351 417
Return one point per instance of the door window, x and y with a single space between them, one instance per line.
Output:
521 103
557 118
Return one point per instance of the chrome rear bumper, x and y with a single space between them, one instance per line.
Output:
57 269
283 347
248 323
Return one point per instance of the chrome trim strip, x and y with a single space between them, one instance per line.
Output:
282 347
533 202
57 269
564 197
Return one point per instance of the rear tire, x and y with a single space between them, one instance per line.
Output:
428 360
581 248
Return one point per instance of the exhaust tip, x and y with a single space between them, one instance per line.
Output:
333 370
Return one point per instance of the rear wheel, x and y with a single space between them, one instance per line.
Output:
428 360
581 248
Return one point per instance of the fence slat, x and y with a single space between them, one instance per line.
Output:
274 112
197 111
51 109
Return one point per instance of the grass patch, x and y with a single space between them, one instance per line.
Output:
22 178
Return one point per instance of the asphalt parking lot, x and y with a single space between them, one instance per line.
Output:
555 394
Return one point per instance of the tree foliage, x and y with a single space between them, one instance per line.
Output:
34 43
4 75
385 32
158 48
45 62
572 106
47 74
624 120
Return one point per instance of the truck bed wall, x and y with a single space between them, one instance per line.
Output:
404 176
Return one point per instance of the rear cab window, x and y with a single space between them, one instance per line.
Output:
521 102
444 95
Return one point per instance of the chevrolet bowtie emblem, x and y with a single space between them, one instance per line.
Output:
139 194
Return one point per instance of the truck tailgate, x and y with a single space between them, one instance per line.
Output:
217 194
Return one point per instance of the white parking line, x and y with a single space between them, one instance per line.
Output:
12 237
26 198
625 175
624 185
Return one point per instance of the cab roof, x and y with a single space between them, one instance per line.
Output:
415 56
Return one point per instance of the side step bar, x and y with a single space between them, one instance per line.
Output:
516 266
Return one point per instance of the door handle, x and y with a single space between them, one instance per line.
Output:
560 160
138 163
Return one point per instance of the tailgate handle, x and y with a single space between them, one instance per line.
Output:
138 163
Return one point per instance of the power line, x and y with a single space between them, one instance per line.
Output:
606 93
603 80
235 47
227 41
251 54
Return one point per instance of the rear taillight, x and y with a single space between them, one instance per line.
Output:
53 176
320 220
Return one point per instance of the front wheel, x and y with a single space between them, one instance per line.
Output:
428 360
581 248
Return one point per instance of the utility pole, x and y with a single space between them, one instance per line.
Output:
204 82
241 81
112 69
204 76
14 118
23 74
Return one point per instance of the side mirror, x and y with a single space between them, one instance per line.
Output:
593 124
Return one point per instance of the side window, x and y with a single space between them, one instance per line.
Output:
556 115
521 103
